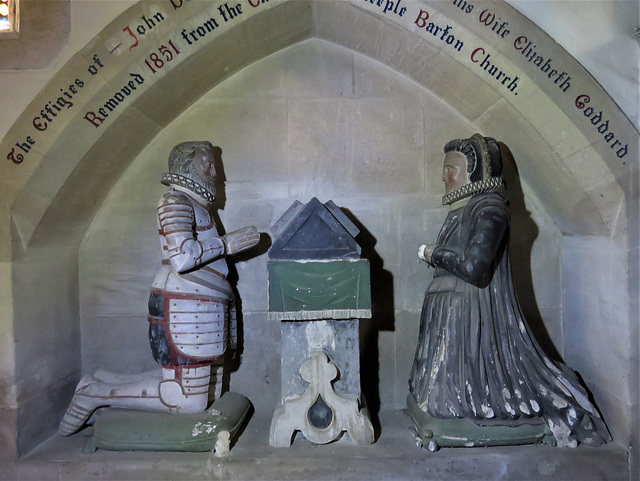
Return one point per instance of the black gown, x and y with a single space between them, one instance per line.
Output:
475 357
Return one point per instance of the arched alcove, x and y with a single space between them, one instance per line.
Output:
582 196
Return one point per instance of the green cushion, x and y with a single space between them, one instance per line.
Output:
133 430
436 433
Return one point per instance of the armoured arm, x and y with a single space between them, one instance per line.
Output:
474 263
177 225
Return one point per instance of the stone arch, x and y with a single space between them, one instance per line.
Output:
558 145
61 181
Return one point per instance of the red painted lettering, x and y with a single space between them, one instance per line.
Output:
582 100
486 17
479 49
95 120
135 44
17 159
423 16
520 42
38 125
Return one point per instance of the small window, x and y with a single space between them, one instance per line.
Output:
8 16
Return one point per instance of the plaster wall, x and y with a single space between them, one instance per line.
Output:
340 127
76 23
9 403
601 35
595 306
46 329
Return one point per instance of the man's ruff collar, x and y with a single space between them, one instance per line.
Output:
492 184
177 179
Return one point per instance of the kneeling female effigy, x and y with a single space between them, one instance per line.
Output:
479 377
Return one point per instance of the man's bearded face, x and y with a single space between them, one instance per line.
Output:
203 170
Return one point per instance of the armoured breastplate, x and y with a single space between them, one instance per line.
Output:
195 304
208 279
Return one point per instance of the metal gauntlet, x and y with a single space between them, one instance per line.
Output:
241 239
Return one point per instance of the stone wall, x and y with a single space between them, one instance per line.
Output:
312 120
337 125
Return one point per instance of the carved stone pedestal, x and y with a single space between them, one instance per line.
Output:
321 413
319 288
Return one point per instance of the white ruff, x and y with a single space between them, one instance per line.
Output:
187 183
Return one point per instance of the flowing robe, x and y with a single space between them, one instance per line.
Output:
475 357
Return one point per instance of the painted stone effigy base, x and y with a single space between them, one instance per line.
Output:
131 430
321 414
433 433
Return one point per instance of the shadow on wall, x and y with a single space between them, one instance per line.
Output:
524 232
233 361
221 197
382 319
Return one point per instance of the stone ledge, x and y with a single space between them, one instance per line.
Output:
393 456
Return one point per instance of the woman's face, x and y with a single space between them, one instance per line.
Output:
454 172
